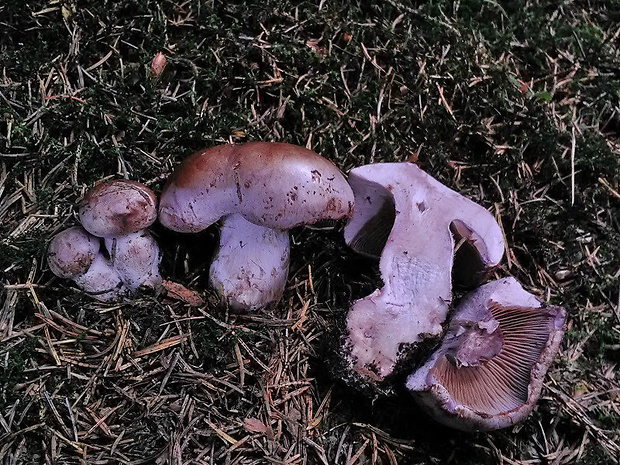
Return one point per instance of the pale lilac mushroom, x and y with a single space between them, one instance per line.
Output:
259 190
489 370
135 257
75 254
119 211
409 219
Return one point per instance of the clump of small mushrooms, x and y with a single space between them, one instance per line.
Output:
488 369
111 253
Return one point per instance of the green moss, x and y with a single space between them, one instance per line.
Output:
12 369
17 251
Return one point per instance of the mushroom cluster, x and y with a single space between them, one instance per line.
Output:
500 341
488 370
111 253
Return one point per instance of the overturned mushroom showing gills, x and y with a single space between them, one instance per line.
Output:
119 211
409 219
489 370
260 190
75 254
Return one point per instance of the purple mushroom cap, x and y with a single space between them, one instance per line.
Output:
71 252
275 185
75 254
136 259
116 208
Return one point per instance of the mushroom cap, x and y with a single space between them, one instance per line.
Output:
489 370
71 252
116 208
251 264
75 254
135 257
408 218
275 185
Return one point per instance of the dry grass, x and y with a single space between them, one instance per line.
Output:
516 106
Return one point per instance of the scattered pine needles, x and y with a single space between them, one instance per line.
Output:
517 105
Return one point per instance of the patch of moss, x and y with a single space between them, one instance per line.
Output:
17 251
12 369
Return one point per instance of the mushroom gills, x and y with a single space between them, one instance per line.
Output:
375 212
489 370
488 380
372 237
468 269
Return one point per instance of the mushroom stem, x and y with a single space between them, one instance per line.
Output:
407 218
251 264
101 280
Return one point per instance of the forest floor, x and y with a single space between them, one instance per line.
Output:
516 105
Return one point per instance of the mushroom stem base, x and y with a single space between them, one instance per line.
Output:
251 265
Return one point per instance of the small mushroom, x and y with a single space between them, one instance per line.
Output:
119 211
259 190
75 254
117 208
136 259
409 219
489 370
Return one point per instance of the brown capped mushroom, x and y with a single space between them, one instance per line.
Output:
259 190
489 370
119 211
409 219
